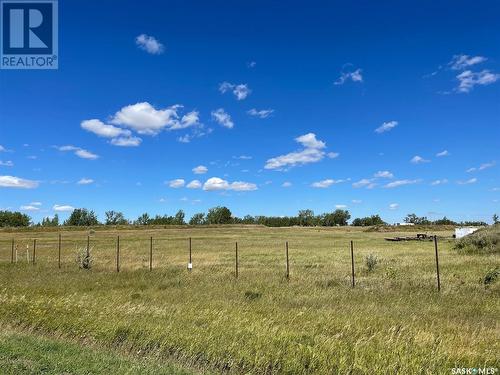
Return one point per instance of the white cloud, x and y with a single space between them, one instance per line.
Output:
36 203
145 119
333 155
467 182
240 91
78 151
223 118
386 126
460 62
62 208
340 206
357 201
418 160
29 207
251 64
149 44
177 183
468 79
263 113
195 184
85 181
286 184
398 183
126 141
7 163
2 149
365 182
354 76
312 153
443 153
200 169
393 206
17 182
383 174
439 182
216 183
326 183
482 167
103 130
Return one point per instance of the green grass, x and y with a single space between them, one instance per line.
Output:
22 353
393 321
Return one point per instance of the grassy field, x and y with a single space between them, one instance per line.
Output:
393 321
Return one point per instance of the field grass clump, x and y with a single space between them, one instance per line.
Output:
491 276
371 262
485 240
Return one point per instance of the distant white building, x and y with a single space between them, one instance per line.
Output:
404 224
464 231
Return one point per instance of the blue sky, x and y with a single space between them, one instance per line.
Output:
376 107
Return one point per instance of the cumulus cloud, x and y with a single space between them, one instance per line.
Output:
340 206
17 182
460 62
286 184
240 91
222 118
383 174
195 184
216 183
29 207
146 119
85 181
418 160
177 183
312 152
398 183
354 76
443 153
7 163
200 169
149 44
482 167
326 183
78 151
63 208
263 113
467 80
365 182
2 149
103 130
357 201
393 206
386 126
126 141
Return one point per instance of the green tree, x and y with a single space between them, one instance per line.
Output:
306 218
115 218
414 219
197 219
179 218
337 217
82 217
14 219
219 215
144 219
48 222
495 219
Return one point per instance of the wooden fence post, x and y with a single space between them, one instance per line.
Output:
12 252
34 251
437 263
352 264
287 263
151 253
236 259
59 252
190 264
117 253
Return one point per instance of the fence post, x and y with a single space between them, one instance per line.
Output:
236 260
34 251
287 263
437 263
352 263
12 252
190 264
88 247
117 253
59 252
151 253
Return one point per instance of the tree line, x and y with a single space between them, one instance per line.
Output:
220 215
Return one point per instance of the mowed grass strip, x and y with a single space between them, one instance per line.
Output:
394 321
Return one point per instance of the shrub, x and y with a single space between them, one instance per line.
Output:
491 276
371 262
84 258
486 240
251 295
